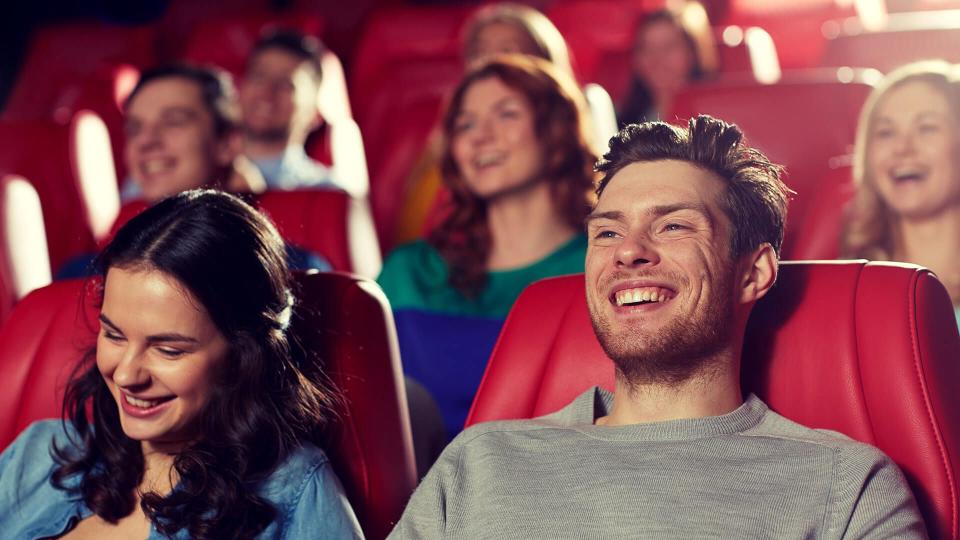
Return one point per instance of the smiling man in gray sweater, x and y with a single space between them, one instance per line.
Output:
684 239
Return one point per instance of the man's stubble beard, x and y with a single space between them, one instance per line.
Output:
685 347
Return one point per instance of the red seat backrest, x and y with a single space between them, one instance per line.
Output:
820 233
24 258
329 223
48 154
227 41
828 347
794 26
801 122
62 56
346 320
890 48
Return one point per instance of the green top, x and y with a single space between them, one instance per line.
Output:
414 276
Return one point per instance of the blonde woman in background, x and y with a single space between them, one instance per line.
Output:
907 205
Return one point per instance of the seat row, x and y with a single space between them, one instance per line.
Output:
881 329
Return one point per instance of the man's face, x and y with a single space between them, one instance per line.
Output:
278 95
659 271
171 144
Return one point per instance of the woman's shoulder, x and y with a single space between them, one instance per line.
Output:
308 494
41 435
416 254
26 467
411 271
305 465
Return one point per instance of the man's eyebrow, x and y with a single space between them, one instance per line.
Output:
614 215
664 209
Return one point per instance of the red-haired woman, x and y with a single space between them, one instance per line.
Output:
519 164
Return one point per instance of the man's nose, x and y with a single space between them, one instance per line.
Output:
637 250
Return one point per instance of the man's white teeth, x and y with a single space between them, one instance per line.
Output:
642 295
142 403
155 165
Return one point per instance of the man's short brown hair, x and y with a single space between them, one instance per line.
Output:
756 197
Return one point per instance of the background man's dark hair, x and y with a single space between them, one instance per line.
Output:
756 197
304 47
216 88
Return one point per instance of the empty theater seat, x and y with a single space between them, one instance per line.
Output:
61 57
905 38
24 260
346 320
71 167
866 349
804 122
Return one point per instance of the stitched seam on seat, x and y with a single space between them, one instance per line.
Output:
18 417
549 352
914 339
856 329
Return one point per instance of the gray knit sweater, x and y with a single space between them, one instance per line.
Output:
747 474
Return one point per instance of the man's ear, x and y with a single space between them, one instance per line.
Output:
758 273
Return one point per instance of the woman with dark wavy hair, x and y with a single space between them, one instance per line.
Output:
519 166
189 418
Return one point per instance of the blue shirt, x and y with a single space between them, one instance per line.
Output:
306 494
293 169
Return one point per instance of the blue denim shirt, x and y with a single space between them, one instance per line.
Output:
309 500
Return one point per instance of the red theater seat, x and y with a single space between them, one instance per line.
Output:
794 26
867 349
603 53
330 223
24 259
907 37
820 233
801 122
407 62
71 167
347 322
61 58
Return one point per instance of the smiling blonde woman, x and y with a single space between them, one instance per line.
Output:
907 205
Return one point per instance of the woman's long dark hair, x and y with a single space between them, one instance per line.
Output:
231 259
563 129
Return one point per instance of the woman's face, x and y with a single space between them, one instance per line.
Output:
662 57
499 38
158 352
910 151
171 143
494 141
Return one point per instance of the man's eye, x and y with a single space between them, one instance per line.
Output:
674 227
606 234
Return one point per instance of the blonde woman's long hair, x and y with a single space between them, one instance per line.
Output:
871 226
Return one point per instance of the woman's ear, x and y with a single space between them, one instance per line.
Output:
758 273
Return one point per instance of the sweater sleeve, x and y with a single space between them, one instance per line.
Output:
875 498
425 517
